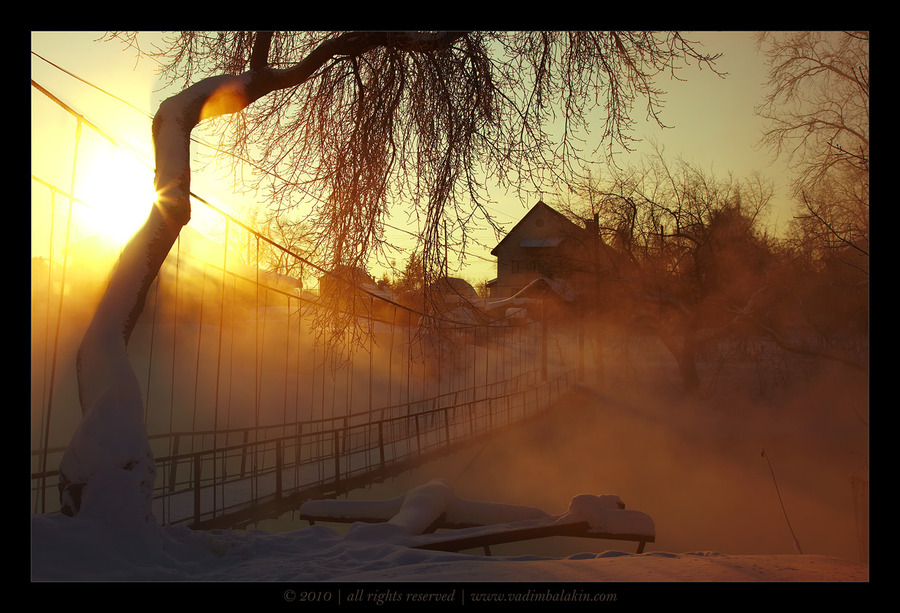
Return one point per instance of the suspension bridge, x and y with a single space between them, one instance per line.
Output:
249 408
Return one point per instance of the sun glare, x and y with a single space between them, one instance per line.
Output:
118 192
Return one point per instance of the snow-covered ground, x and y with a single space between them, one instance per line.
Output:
82 549
67 549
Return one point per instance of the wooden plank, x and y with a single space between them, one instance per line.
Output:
501 536
494 536
439 524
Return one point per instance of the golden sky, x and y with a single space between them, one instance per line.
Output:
712 119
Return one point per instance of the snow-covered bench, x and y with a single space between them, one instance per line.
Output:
421 512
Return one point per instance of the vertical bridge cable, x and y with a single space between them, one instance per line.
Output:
44 417
173 439
219 369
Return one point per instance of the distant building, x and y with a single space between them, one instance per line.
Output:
344 279
544 254
450 298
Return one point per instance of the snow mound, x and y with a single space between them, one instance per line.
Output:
608 514
108 467
421 506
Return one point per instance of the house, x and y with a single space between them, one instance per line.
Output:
544 254
450 298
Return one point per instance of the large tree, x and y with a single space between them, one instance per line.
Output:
363 121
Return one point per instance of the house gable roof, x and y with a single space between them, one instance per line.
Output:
538 209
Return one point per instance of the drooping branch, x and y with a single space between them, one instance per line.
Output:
825 353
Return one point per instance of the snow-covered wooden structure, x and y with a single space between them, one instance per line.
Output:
421 513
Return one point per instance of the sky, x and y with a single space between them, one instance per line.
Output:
713 126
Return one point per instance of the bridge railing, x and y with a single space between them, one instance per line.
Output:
240 469
330 456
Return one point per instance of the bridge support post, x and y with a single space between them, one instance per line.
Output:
446 426
173 470
198 470
381 444
337 458
418 437
244 453
279 464
543 339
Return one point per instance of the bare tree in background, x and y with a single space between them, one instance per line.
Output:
677 252
817 108
686 256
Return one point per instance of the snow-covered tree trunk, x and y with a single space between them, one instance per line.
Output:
107 471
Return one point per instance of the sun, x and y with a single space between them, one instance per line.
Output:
117 191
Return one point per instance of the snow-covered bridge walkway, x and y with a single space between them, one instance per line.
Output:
249 480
